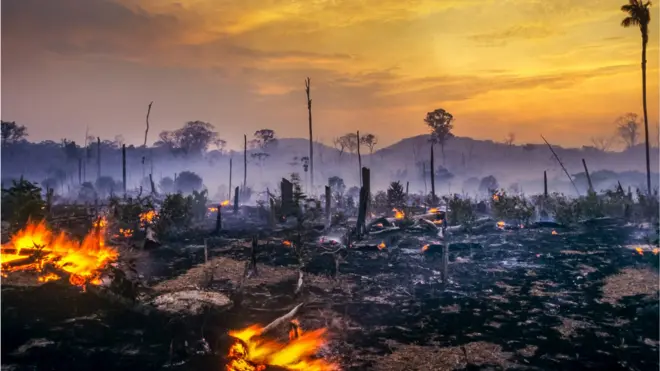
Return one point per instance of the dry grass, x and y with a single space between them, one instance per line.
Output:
415 357
630 282
569 327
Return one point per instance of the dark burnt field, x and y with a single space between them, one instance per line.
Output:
515 299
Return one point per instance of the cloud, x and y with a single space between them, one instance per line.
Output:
501 38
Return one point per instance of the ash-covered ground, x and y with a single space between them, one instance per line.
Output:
515 299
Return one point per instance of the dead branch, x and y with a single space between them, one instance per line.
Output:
300 282
562 165
283 319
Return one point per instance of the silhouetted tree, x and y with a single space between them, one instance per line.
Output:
440 123
509 139
396 195
191 140
105 186
639 15
370 141
187 182
628 129
340 145
12 132
166 185
264 139
349 141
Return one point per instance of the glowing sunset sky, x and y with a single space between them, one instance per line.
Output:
562 68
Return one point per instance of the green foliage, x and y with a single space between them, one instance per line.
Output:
509 207
127 212
380 202
22 202
396 195
460 211
175 214
187 182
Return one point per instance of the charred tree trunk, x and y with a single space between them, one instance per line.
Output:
151 182
79 171
311 143
545 184
586 172
432 176
407 184
328 198
236 200
123 168
359 157
364 201
218 220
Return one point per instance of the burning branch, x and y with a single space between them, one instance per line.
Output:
283 319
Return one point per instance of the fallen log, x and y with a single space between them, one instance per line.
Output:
283 319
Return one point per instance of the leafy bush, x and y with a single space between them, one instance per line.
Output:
488 185
175 214
106 186
379 202
166 185
127 212
509 207
199 201
460 211
22 202
87 193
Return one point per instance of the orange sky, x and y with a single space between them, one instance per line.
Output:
561 68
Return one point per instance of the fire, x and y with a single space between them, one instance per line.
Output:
83 260
251 352
425 247
437 221
378 225
225 203
501 224
496 197
381 245
434 210
125 232
639 250
398 214
101 222
554 232
147 216
286 243
213 209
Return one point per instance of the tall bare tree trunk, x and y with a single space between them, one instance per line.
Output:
359 157
646 117
244 161
432 175
311 143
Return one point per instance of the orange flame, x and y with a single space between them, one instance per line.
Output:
225 203
147 216
295 331
437 221
251 352
639 250
425 247
101 222
496 197
83 260
378 225
125 232
655 251
398 214
501 224
434 210
213 209
554 232
381 245
286 243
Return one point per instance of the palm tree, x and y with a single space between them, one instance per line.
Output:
639 15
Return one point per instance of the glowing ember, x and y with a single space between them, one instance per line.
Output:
378 225
496 197
398 214
286 243
425 247
639 250
381 245
501 224
125 232
437 221
251 352
212 209
554 232
101 222
434 210
225 203
147 216
83 260
655 251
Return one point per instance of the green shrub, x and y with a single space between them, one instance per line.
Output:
509 207
175 214
22 202
460 211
